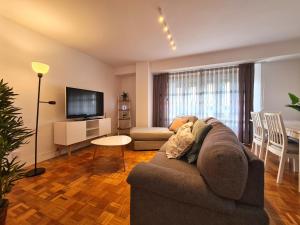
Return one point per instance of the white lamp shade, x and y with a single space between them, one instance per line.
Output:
40 67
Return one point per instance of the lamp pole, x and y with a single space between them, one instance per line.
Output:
41 170
37 171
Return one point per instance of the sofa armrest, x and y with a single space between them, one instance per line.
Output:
254 190
190 189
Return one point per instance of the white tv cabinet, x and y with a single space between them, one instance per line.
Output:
67 133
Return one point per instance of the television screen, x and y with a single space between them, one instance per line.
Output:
83 103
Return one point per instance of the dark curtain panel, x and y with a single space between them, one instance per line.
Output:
246 83
160 100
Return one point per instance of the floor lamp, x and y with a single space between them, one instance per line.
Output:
41 69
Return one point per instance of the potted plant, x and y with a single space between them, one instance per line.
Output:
124 96
13 134
295 102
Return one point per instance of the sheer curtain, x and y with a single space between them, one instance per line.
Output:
204 93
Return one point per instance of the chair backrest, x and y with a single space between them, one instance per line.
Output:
258 127
276 130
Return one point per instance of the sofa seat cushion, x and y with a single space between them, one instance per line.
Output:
150 133
223 163
148 145
161 159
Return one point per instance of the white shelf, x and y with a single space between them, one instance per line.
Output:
126 128
92 128
91 137
124 116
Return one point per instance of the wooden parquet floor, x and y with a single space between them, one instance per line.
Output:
80 191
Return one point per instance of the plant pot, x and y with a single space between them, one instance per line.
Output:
3 211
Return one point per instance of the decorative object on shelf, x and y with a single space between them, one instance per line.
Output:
124 96
124 116
295 102
41 69
13 134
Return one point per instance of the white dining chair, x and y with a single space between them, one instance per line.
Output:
278 143
259 135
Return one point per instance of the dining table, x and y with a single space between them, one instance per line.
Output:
292 128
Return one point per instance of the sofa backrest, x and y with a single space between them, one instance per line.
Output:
222 162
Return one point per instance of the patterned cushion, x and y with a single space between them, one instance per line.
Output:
179 143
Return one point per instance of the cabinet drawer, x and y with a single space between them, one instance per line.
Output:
76 132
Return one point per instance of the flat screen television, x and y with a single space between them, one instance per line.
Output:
82 103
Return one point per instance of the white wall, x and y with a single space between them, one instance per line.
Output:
124 70
257 92
143 95
127 84
278 79
230 56
68 67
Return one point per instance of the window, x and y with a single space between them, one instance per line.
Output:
205 93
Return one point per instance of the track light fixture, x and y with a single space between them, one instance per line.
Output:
166 29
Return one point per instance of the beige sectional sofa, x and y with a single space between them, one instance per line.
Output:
151 138
225 186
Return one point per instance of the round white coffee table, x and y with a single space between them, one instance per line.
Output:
120 140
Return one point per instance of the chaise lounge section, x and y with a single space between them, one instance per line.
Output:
149 138
226 186
152 138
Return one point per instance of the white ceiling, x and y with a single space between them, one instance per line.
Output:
121 32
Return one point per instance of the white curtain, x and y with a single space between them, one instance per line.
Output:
205 93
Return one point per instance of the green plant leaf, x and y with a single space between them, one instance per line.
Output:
13 135
296 106
293 98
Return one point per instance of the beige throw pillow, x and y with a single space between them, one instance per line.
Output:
179 143
177 123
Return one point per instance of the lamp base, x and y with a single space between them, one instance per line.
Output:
35 172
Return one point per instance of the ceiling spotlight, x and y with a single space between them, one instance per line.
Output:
161 19
166 29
